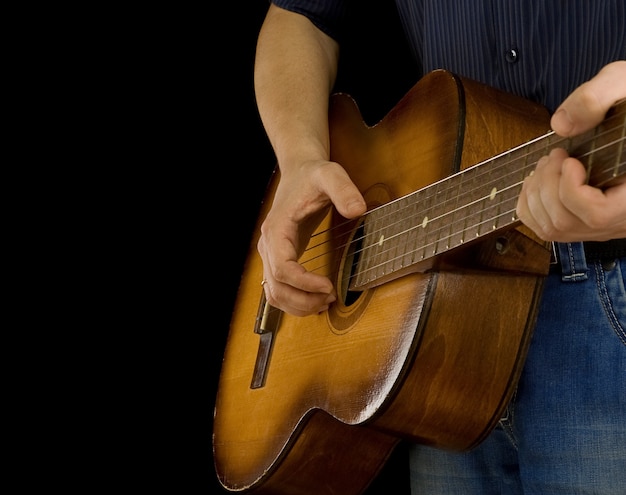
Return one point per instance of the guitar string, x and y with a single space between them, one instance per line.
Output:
435 243
465 171
610 169
471 169
342 225
433 246
478 200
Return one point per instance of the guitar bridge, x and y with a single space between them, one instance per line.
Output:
266 325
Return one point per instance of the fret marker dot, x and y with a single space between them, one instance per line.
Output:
381 240
424 222
494 191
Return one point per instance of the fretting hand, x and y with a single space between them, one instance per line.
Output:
555 201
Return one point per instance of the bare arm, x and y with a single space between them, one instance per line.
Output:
295 69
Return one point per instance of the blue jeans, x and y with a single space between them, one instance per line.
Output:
565 428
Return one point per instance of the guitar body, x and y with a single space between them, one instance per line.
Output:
430 357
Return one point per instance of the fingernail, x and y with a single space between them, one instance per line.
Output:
355 206
563 123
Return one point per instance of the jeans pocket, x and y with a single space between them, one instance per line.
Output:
612 293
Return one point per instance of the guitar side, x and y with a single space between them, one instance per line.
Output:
431 357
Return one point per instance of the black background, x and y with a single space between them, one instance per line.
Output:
376 70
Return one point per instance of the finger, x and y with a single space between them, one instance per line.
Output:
535 215
542 209
293 300
284 268
287 284
601 211
344 194
587 105
574 191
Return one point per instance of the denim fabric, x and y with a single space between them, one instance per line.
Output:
565 429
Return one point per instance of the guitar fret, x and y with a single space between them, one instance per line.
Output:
371 245
437 212
456 212
391 261
425 222
413 238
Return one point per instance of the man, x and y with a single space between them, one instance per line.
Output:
565 430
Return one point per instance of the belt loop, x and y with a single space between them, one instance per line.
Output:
573 263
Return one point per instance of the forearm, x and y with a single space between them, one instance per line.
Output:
295 69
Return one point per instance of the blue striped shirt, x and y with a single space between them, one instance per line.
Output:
537 49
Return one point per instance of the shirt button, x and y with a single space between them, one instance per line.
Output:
511 56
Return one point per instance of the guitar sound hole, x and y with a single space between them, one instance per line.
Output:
350 265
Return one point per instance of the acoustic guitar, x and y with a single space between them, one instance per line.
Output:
438 288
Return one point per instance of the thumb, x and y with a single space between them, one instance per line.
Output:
586 107
345 195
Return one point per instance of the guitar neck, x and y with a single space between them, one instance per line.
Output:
407 234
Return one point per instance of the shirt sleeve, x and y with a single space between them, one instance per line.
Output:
328 15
